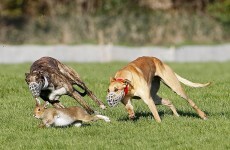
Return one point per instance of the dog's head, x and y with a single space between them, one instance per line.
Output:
35 76
36 81
117 90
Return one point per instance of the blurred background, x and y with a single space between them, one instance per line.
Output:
123 22
117 22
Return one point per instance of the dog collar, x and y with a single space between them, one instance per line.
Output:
46 83
126 89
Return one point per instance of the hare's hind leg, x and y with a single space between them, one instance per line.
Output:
89 118
105 118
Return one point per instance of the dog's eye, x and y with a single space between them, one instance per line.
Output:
39 109
108 90
115 89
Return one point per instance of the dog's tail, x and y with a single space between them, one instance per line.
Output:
191 84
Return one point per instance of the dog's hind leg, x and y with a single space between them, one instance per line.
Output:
158 100
74 76
78 98
93 97
170 79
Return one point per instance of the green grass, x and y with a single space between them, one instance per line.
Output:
18 128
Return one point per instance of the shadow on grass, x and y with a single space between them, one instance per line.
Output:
83 125
161 113
140 115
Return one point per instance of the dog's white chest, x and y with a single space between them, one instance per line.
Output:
63 120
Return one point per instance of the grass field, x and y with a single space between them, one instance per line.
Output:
18 128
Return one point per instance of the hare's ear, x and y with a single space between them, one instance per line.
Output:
37 102
126 81
112 79
46 104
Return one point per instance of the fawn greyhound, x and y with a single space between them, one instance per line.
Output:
50 79
141 78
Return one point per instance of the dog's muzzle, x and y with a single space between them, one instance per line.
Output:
35 88
114 98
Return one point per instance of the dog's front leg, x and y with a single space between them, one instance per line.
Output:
149 101
129 107
57 103
55 95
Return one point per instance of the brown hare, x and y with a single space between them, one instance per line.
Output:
64 116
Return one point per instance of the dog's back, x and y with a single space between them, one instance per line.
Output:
143 66
43 63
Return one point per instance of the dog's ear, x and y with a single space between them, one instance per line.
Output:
27 74
40 72
26 79
43 74
112 79
126 81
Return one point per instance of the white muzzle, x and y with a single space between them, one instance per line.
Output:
114 98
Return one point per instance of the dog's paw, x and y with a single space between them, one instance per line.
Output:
132 117
205 118
102 106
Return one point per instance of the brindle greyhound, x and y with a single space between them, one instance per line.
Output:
50 79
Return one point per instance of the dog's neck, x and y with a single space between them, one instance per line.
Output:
46 83
126 89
